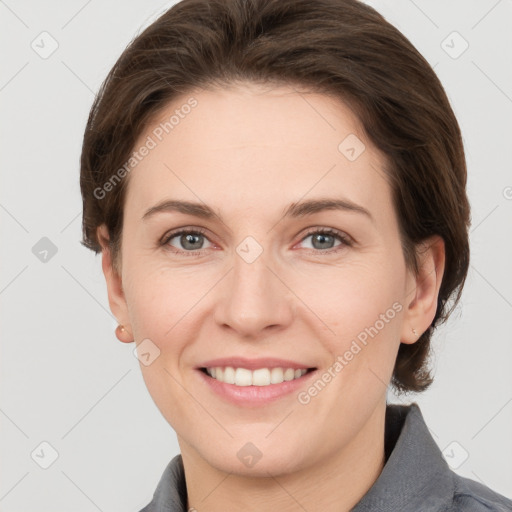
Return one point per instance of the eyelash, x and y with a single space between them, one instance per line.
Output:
345 239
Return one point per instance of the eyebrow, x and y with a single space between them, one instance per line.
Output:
294 210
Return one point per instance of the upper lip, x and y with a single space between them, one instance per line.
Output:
254 364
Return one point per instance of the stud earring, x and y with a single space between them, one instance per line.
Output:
414 332
123 335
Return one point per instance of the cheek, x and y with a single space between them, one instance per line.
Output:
362 307
160 310
164 305
349 298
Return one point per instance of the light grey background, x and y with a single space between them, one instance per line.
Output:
67 381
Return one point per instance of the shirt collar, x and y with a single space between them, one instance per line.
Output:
415 475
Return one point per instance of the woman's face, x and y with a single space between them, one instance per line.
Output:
260 280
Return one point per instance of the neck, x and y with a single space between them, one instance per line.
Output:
336 483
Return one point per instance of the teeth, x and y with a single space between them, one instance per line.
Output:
260 377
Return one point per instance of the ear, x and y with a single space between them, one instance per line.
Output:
116 298
423 290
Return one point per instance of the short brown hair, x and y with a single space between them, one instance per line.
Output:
342 48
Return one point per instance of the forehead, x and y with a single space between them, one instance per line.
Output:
250 147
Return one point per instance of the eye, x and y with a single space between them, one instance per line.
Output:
188 240
322 240
191 241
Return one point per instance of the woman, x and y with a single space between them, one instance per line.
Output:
231 141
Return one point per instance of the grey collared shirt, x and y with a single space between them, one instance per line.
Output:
415 477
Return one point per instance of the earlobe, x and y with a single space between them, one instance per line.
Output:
116 297
422 298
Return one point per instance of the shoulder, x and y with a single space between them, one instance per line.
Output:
472 496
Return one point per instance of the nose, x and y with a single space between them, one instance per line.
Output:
254 299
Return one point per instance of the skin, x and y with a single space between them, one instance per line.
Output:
249 152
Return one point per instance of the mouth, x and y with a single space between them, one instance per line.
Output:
243 377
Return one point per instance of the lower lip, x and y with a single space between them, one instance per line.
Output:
255 395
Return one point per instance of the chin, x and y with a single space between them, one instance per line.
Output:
248 460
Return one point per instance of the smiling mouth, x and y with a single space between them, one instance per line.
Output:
259 377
